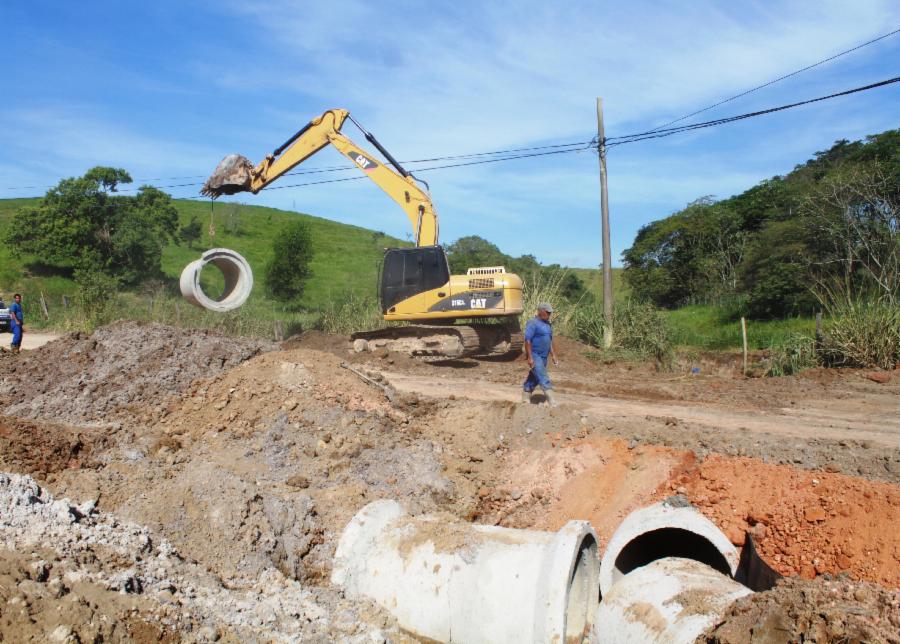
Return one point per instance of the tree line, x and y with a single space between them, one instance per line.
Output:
825 232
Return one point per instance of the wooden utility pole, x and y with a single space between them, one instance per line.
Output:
604 218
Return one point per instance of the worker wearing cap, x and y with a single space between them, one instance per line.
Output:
538 347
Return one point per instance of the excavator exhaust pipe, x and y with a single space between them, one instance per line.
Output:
232 175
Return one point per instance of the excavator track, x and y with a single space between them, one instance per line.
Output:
444 342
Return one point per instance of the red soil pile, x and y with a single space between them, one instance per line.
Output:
804 523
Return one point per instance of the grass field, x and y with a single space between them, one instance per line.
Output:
345 258
344 268
719 328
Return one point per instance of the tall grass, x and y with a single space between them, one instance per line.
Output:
862 334
791 356
639 328
354 313
548 287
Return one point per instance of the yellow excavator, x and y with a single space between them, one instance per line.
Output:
447 316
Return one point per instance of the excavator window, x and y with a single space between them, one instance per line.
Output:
410 271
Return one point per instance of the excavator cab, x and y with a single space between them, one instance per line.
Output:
407 272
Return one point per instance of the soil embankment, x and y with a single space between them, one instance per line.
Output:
241 462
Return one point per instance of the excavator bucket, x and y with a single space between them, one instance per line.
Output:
230 176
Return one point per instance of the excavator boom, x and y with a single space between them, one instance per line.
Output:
236 173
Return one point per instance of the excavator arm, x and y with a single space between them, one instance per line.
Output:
237 174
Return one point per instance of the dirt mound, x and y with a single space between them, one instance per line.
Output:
98 556
117 372
823 610
43 600
805 523
44 448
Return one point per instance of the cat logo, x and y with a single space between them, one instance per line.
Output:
477 303
364 162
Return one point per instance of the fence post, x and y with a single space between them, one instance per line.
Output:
65 301
744 337
44 307
279 331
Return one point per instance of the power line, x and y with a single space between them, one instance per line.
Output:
587 145
576 144
660 133
776 80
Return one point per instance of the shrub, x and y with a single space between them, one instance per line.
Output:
794 355
862 335
288 270
637 326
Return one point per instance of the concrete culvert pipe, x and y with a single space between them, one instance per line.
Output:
450 581
669 601
665 530
236 272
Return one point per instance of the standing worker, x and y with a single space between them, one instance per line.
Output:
17 322
539 345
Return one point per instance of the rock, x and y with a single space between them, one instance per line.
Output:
814 514
220 404
758 532
516 495
881 377
483 492
861 594
844 562
298 480
63 634
360 345
670 421
537 493
290 404
832 467
632 444
208 633
39 571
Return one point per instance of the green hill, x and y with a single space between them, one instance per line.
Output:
345 260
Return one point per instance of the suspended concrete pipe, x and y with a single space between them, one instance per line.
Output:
665 530
450 581
668 601
238 280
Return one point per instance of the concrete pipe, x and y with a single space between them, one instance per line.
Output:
457 582
665 530
238 280
669 601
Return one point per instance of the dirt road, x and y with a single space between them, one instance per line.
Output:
873 416
31 340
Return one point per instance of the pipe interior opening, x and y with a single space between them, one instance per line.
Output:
581 592
227 279
211 281
668 542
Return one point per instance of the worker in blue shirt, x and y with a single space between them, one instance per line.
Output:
16 322
538 346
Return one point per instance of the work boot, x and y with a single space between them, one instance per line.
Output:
526 397
551 400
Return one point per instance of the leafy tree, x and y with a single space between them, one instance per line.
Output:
289 268
471 251
829 225
191 231
81 224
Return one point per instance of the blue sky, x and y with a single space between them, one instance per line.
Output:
166 89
